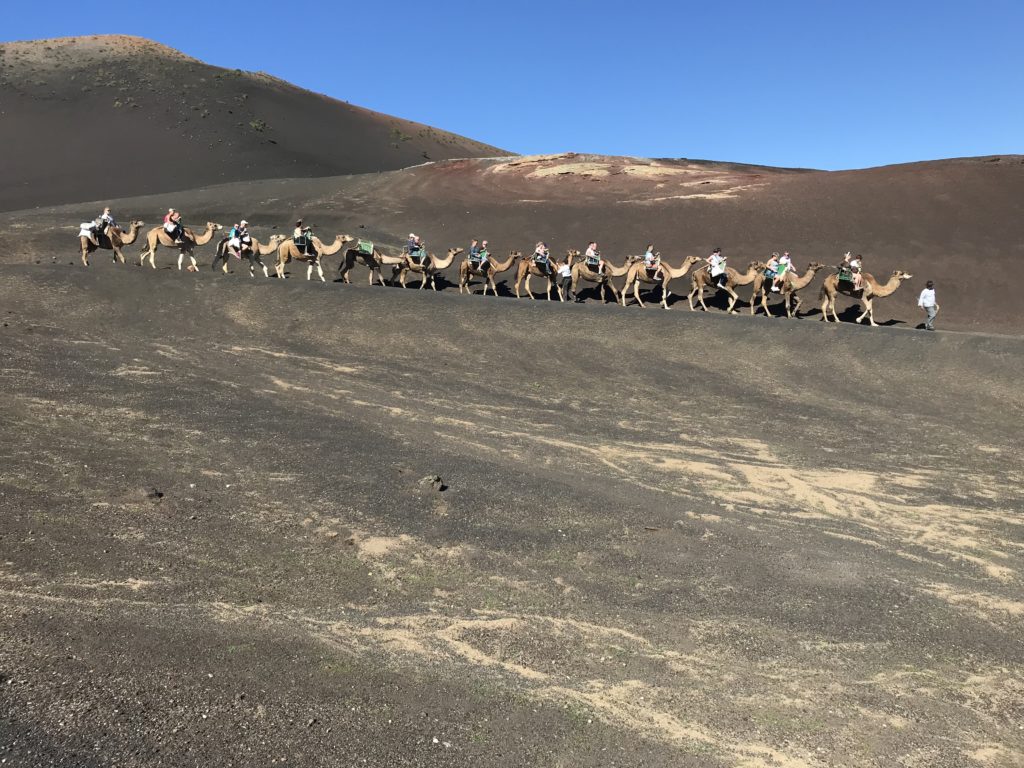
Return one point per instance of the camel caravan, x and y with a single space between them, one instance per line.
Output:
709 276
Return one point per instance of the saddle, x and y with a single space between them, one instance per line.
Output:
845 275
365 247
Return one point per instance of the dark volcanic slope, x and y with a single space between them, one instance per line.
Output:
958 222
667 539
114 115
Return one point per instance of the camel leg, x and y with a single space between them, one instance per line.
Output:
664 294
734 297
119 255
320 271
832 309
637 295
868 313
689 298
181 258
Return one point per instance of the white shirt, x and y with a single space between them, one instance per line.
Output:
565 270
927 298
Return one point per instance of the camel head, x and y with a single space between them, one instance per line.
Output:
213 225
277 239
346 239
756 265
137 223
454 251
901 275
815 266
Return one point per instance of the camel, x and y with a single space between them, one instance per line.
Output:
115 239
428 271
791 283
872 290
702 279
253 251
375 262
158 236
638 273
491 268
528 267
581 271
289 251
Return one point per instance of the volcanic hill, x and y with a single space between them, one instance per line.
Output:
114 115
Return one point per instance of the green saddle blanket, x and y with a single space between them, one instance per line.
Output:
846 275
365 247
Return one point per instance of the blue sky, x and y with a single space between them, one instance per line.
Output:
815 84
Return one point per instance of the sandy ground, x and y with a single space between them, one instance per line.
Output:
659 539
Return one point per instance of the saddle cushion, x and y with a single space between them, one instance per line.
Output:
365 247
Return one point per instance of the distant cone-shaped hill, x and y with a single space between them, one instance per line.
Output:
90 117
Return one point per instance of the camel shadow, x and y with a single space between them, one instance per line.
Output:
850 315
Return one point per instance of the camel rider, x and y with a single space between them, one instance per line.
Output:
857 268
90 230
303 239
484 256
239 238
785 265
172 225
108 221
652 262
474 253
542 257
771 267
717 266
845 274
179 228
593 258
415 252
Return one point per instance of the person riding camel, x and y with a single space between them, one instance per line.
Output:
717 267
107 221
484 256
91 230
178 228
303 239
857 269
415 253
785 265
652 262
172 225
475 254
771 267
542 257
593 258
239 238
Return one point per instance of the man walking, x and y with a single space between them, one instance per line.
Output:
926 301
